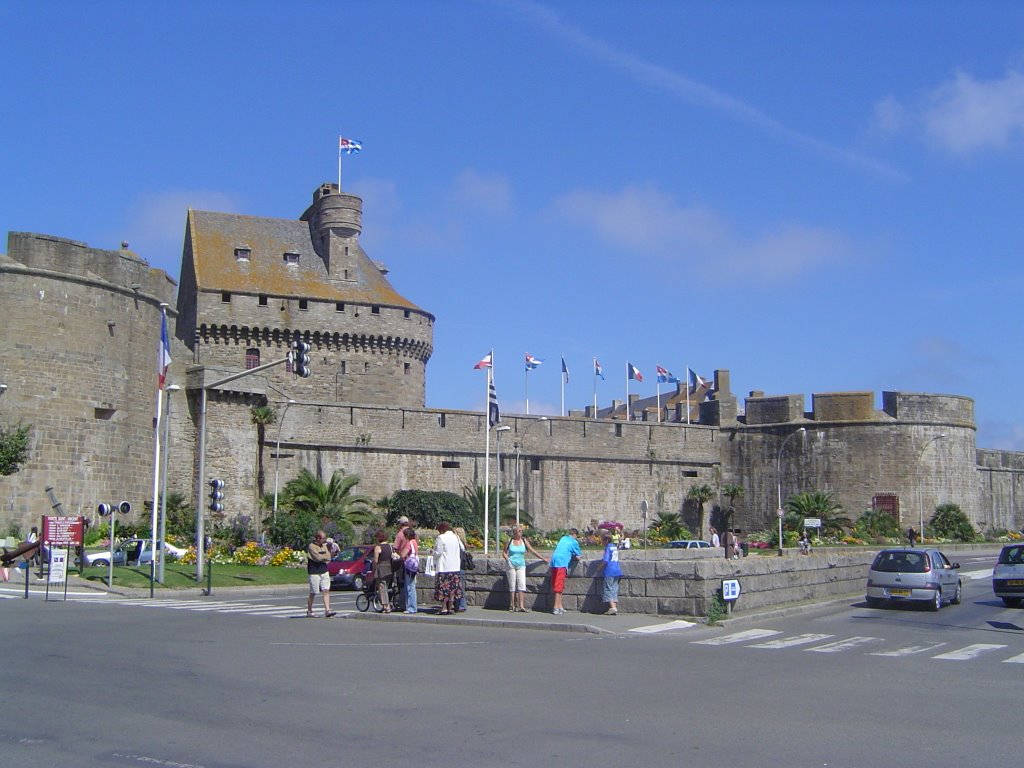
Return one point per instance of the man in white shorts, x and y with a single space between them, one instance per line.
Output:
317 557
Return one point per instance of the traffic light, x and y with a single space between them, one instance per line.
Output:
108 509
216 495
300 359
104 510
124 507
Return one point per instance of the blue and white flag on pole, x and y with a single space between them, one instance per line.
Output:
565 371
349 146
532 362
597 369
493 415
665 377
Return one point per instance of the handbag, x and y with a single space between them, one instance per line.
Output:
412 564
466 560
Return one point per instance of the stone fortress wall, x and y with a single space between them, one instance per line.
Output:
78 346
77 351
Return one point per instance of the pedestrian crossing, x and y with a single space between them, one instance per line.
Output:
268 610
776 640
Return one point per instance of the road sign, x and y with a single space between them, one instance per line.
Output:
730 589
644 506
812 522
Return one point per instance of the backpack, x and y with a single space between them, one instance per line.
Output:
466 560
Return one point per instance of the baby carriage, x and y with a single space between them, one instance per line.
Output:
370 597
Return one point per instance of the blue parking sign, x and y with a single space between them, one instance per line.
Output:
730 589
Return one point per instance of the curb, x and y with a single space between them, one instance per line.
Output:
431 618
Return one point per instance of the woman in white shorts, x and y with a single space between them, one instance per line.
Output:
515 557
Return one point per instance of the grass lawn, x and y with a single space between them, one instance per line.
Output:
177 576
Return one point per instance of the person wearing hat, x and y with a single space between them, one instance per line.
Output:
402 523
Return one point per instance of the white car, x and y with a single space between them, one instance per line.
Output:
133 552
1008 575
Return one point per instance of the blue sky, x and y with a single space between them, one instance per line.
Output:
816 196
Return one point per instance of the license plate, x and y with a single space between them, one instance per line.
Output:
1015 582
899 593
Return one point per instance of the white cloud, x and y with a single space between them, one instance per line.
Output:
490 193
962 115
644 220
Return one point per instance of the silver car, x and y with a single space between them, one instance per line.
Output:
913 575
1008 575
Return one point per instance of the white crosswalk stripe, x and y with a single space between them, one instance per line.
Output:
1018 659
844 645
909 650
969 652
220 606
666 627
789 642
739 637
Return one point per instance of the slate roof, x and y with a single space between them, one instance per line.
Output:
215 236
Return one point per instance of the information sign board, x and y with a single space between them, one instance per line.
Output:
62 531
730 589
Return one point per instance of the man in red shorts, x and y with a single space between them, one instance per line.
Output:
567 550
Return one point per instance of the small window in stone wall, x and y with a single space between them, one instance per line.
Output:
104 414
225 297
449 464
252 358
341 367
290 258
618 430
303 305
408 369
535 465
339 306
441 420
374 310
691 473
242 254
366 367
263 300
407 313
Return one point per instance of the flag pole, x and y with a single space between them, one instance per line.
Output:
595 387
562 377
657 386
487 449
526 377
156 446
627 391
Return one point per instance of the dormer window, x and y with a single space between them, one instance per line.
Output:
242 254
290 257
303 304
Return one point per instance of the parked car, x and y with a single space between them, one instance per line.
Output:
133 552
688 544
348 567
909 575
1008 575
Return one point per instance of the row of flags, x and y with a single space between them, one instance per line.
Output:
664 376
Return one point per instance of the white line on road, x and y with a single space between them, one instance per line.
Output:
986 573
909 650
738 637
789 642
969 652
652 628
1018 659
844 645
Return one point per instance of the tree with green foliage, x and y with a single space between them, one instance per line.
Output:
428 508
474 496
876 523
816 504
950 522
262 416
181 517
307 504
13 448
700 495
670 526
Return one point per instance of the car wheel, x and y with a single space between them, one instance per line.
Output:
958 594
936 604
1011 602
873 602
357 583
101 563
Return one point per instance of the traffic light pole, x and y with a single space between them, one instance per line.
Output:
201 469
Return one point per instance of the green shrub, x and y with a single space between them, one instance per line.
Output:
949 522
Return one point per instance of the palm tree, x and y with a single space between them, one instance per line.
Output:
732 492
669 525
816 504
475 496
261 416
328 501
700 495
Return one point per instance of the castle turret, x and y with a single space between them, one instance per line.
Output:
335 221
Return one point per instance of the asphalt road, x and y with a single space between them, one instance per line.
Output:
133 683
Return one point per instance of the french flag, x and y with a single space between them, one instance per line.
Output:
634 372
163 360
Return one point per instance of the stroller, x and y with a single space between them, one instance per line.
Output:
370 597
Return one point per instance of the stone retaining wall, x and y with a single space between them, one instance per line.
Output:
674 583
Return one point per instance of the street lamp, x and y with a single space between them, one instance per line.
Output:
778 474
277 455
497 496
162 554
920 455
519 445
